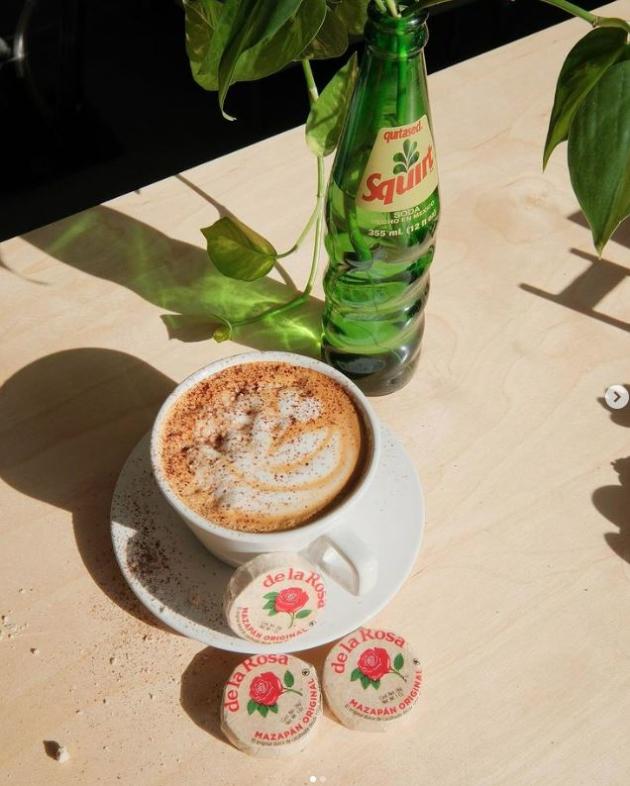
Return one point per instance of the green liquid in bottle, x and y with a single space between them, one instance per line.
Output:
382 213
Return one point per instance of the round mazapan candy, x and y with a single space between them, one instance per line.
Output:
274 598
371 679
271 705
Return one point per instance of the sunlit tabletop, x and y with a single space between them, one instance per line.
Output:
518 603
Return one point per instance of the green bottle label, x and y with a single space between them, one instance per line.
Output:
401 172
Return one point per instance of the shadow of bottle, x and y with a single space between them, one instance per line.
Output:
179 278
69 420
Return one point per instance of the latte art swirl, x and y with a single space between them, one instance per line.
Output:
263 446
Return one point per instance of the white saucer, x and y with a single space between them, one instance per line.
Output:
182 584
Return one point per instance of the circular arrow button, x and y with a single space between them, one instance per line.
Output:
617 396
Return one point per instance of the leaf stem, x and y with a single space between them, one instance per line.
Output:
574 10
611 21
303 234
587 16
313 93
570 8
319 225
392 7
398 674
317 216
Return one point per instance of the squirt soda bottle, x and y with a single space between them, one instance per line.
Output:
382 210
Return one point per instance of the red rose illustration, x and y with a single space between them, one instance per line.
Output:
265 689
291 599
374 663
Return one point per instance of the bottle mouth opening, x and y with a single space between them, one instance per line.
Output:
412 16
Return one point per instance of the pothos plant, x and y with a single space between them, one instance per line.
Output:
233 41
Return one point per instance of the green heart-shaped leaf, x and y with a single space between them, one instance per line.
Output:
202 18
289 679
244 24
271 595
272 55
237 251
331 39
399 157
304 613
356 675
399 168
273 708
584 66
262 709
399 661
353 13
327 115
599 153
251 707
205 49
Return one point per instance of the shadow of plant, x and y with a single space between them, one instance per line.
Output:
621 235
589 288
619 416
179 278
613 502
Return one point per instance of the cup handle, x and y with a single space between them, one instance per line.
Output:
346 559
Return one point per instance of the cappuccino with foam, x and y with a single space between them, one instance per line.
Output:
263 447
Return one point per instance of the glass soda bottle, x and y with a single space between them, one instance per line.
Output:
382 210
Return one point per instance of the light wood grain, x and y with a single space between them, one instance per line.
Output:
519 601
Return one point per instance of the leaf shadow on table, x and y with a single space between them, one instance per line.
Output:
619 416
613 501
588 289
203 680
68 422
179 278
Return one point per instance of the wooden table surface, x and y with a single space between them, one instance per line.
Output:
518 603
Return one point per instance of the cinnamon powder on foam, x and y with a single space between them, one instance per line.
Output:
263 446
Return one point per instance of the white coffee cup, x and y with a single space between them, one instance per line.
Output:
328 541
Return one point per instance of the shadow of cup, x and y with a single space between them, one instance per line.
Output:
69 420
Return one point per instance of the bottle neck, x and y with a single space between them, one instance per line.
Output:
396 38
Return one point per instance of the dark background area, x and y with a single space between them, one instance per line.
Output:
96 98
